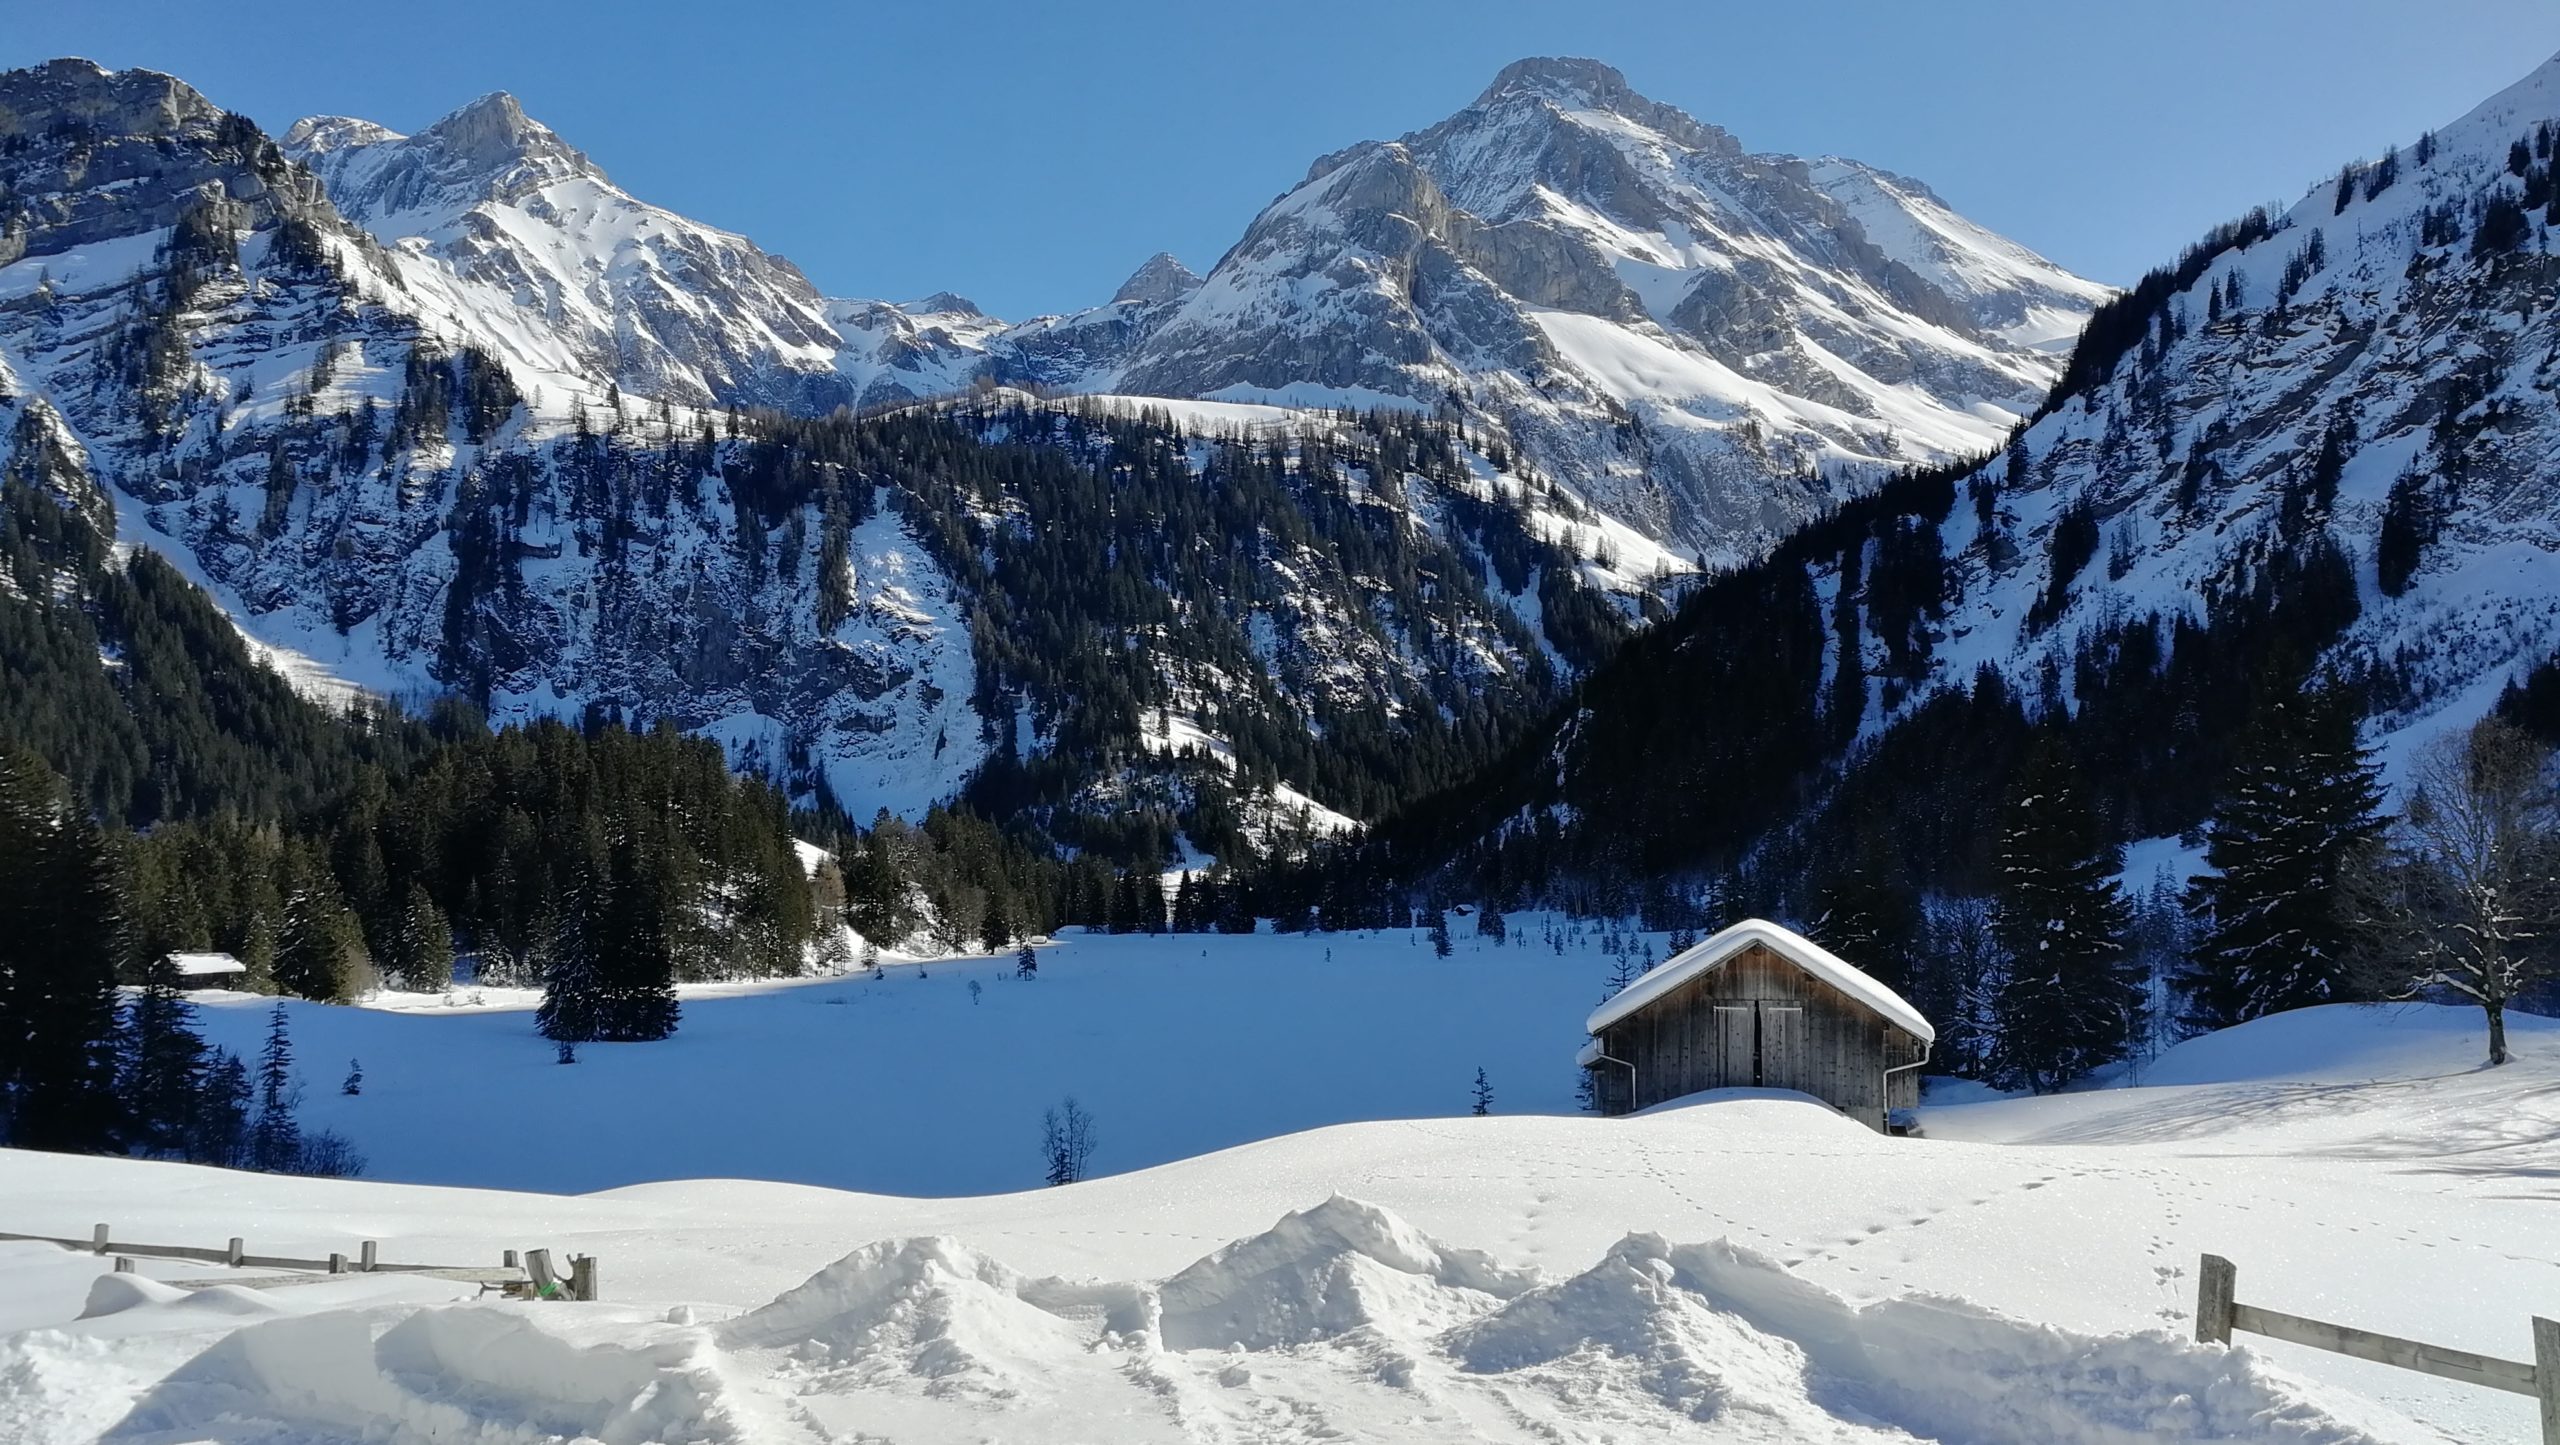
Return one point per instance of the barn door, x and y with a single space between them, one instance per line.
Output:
1783 1057
1737 1065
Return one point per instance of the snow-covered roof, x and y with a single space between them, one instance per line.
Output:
1788 944
205 965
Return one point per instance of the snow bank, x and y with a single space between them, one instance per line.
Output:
1323 1272
487 1375
1341 1321
938 1309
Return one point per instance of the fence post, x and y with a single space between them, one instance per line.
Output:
124 1264
508 1258
337 1264
2546 1375
369 1258
98 1236
2216 1280
582 1276
238 1248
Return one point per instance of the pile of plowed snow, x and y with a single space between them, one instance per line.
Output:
1341 1322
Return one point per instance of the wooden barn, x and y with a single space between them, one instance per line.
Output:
1759 1006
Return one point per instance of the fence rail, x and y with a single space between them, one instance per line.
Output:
534 1275
2219 1313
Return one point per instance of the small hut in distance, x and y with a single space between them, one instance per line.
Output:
1759 1006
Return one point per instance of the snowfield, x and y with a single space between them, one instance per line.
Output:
1741 1267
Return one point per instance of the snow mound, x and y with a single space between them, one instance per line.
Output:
490 1376
1717 1330
1327 1271
113 1294
936 1308
2347 1043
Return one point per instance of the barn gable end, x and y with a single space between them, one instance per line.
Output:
1758 1006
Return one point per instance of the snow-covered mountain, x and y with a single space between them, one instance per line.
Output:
1708 344
1712 344
393 474
2320 441
523 239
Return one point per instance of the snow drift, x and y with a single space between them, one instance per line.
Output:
1341 1321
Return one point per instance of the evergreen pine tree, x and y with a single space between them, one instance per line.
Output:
1026 963
319 950
2071 1001
275 1138
2302 800
61 936
1440 932
221 1133
165 1071
422 959
572 1008
1483 1096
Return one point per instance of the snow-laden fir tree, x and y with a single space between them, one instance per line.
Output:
2272 931
2071 1001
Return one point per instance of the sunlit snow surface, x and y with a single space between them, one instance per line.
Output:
1737 1267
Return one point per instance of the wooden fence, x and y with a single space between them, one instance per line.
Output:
2218 1314
532 1275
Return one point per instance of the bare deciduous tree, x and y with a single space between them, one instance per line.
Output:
2468 898
1066 1141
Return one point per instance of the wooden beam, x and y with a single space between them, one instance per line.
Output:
98 1237
582 1276
2440 1361
2215 1280
2546 1375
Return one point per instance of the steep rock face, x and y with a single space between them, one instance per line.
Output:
523 238
1706 341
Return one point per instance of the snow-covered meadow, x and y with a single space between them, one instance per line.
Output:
1740 1267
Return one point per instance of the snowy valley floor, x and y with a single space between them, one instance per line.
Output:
1738 1268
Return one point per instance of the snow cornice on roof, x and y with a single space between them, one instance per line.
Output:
1788 944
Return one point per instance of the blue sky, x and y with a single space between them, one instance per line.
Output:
1030 155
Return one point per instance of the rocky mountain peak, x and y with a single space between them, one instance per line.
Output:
493 135
105 102
1568 83
1160 279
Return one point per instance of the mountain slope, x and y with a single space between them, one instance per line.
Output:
2321 437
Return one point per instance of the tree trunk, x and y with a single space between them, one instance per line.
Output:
2497 1010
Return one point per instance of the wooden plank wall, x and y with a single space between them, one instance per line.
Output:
1759 1019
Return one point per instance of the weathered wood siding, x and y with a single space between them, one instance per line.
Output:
1759 1021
